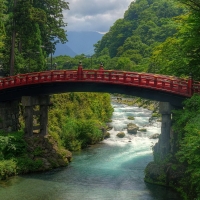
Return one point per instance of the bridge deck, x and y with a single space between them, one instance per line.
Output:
169 84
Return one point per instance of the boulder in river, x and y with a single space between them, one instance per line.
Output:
109 127
142 130
132 128
154 136
120 134
106 135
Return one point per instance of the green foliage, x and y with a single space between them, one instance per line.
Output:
26 164
13 155
179 54
188 126
75 119
2 27
33 27
7 168
12 145
78 134
145 25
37 151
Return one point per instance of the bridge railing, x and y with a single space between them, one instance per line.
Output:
157 82
170 84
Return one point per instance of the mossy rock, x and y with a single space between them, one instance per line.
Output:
155 115
142 130
131 118
154 136
109 128
120 134
132 128
106 135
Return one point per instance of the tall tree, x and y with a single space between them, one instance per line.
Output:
192 4
34 24
180 54
2 22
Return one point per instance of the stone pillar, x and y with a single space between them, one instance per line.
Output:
9 116
28 116
174 136
36 114
163 147
43 119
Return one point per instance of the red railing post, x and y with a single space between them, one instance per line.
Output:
101 71
139 79
65 76
101 67
109 76
39 77
124 77
80 71
190 84
171 85
155 81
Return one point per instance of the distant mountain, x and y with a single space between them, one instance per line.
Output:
78 43
64 49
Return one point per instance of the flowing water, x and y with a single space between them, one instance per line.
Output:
111 170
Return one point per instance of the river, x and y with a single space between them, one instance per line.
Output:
111 170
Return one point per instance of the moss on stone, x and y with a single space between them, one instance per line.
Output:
131 118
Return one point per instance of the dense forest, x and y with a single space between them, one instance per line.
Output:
155 36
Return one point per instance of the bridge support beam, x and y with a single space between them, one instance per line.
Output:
163 147
35 114
9 116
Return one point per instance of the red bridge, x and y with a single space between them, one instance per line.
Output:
152 86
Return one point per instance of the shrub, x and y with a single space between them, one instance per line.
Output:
80 134
12 145
7 168
26 164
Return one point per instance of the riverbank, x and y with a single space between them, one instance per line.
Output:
21 155
76 120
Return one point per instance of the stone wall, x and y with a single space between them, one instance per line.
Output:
9 116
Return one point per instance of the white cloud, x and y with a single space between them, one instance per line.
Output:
94 15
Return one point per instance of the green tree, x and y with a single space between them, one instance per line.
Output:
2 27
188 128
180 55
34 27
145 25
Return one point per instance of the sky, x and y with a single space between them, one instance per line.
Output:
94 15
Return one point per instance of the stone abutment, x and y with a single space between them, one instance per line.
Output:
35 114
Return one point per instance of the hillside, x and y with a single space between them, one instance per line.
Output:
146 24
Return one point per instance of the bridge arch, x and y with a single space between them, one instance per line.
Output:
150 86
55 88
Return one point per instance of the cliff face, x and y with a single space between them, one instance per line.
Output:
168 174
165 169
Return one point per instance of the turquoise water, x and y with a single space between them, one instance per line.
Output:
111 170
